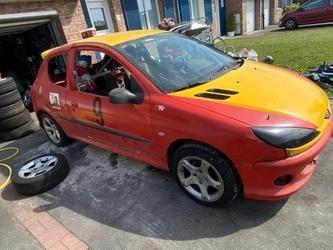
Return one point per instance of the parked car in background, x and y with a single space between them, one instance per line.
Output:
312 12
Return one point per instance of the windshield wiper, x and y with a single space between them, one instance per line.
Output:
191 85
238 62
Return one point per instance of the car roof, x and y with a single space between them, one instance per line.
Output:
112 39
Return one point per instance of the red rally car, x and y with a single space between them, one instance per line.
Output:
222 126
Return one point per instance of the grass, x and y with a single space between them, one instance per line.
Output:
298 49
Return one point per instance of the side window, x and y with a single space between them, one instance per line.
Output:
57 70
99 73
314 4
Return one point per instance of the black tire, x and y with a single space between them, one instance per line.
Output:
15 121
9 98
44 181
64 139
11 110
290 24
19 132
231 184
6 85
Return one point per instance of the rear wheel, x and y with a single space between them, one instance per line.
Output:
54 131
290 24
205 175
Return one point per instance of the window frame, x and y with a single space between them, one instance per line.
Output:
64 55
107 50
306 9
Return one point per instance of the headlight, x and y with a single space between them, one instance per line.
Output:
284 137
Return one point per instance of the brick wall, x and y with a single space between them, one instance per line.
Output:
236 7
259 7
117 15
70 20
274 12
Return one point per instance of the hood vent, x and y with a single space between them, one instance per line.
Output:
219 94
212 96
222 91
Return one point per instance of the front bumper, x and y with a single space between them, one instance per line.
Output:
260 185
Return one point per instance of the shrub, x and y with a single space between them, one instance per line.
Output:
290 7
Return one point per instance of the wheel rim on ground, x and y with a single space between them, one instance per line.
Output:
290 24
38 166
51 130
200 178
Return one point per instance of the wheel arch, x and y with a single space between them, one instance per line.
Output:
180 142
39 114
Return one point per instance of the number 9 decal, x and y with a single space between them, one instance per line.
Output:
97 107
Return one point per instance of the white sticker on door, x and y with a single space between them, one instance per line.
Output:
54 100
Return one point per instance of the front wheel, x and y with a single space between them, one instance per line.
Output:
205 175
290 24
54 131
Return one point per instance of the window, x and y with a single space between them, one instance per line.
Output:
174 62
331 2
314 4
98 73
98 19
57 70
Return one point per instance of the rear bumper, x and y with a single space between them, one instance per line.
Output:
301 167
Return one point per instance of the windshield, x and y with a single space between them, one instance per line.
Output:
175 62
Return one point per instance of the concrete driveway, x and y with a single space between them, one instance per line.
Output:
114 202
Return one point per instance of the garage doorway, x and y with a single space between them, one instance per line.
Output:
21 45
250 16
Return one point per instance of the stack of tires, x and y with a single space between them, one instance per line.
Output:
15 120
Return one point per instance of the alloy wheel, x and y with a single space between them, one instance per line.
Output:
51 130
290 24
38 166
200 178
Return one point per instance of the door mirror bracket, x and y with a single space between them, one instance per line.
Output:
124 96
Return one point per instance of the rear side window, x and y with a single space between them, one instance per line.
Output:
57 70
314 4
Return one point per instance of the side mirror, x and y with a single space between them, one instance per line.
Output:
123 96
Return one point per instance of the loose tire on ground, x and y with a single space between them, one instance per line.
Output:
53 131
19 132
9 98
221 182
6 85
40 174
11 110
15 121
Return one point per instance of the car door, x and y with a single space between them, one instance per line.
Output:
313 12
330 11
54 87
126 127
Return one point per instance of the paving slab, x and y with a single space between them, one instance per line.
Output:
13 235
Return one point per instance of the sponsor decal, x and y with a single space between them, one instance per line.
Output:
54 100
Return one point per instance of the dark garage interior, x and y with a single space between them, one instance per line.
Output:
20 52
